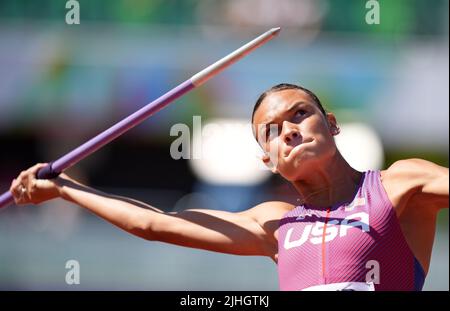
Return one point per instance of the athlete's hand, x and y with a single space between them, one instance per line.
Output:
26 188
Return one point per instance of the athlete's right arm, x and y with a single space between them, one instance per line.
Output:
219 231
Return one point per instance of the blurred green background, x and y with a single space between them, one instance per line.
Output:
62 84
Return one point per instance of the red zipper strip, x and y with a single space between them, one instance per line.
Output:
323 242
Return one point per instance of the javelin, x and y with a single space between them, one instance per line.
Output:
55 168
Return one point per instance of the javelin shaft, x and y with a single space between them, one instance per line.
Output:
55 168
113 132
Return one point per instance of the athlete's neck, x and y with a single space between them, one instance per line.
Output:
331 183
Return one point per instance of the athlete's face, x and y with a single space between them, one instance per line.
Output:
294 132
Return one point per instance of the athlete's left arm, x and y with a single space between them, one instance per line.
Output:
424 183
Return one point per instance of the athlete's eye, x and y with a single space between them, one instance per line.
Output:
300 112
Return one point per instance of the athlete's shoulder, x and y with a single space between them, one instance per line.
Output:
414 178
413 171
274 206
269 210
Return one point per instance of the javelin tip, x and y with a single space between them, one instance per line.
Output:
275 30
207 73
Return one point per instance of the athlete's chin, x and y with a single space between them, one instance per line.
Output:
298 166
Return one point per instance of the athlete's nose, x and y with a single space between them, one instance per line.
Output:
290 134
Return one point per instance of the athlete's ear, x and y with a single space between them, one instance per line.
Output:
332 124
267 162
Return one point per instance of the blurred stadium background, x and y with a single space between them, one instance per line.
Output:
62 84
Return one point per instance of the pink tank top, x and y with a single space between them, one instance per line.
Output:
356 242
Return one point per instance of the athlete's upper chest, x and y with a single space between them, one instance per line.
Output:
304 225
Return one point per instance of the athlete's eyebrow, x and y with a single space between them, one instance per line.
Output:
295 105
291 107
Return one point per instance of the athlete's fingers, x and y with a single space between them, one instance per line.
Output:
35 168
25 185
14 189
18 190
